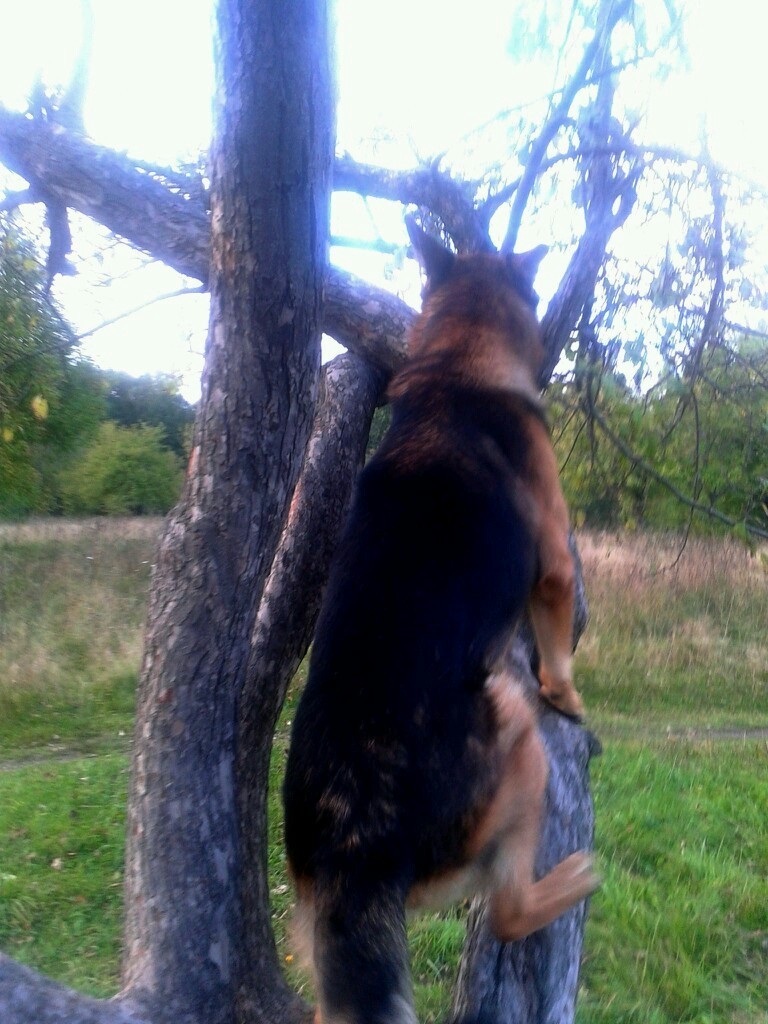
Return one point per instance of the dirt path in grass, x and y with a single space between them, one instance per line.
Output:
693 734
702 735
62 756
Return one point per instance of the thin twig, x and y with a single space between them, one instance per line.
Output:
538 151
368 244
200 290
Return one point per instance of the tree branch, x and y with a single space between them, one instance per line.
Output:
106 186
625 148
289 608
367 320
27 997
175 228
611 13
365 244
608 194
450 200
13 200
714 313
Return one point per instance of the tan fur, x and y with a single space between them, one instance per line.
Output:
499 347
502 847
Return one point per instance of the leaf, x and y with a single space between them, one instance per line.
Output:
39 407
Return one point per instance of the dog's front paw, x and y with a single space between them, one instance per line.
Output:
565 697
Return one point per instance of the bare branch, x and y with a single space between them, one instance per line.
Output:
608 194
624 148
365 244
713 319
549 97
104 185
450 200
137 309
350 389
611 14
27 997
367 320
13 200
176 230
60 240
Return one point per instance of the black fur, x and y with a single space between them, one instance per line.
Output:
389 765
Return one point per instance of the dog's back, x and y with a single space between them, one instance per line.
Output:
394 758
388 758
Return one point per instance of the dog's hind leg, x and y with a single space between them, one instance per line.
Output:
512 823
525 910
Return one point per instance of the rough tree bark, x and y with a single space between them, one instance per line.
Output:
285 624
271 166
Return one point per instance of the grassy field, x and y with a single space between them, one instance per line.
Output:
673 670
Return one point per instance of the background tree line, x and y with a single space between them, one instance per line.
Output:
76 439
683 455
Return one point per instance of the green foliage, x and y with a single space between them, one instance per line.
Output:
51 405
382 417
708 439
125 471
154 401
35 342
50 400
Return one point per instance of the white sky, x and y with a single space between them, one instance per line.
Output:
424 71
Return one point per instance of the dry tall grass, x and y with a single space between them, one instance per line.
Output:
98 529
72 600
649 562
674 640
677 635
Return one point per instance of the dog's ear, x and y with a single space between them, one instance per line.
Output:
435 261
526 264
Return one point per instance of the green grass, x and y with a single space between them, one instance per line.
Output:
678 932
61 863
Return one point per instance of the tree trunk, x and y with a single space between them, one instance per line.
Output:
271 164
535 981
284 628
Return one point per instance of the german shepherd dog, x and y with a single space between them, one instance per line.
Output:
416 773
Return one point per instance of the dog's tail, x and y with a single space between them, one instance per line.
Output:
360 952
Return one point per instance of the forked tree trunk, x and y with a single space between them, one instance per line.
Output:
185 954
283 631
